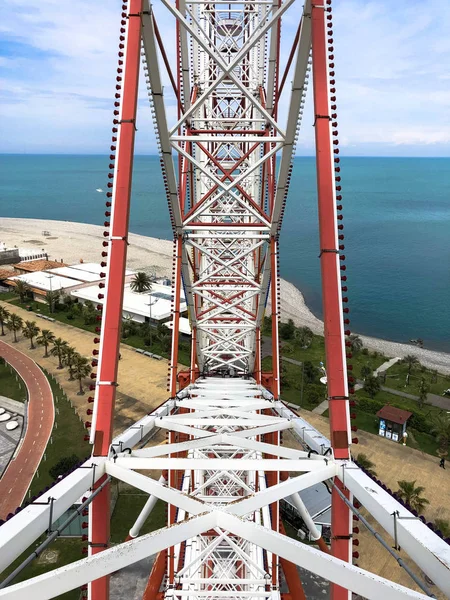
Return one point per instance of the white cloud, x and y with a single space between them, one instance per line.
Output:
59 68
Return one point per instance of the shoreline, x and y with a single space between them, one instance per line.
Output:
71 241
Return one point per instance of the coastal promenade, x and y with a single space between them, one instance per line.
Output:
75 241
142 380
18 476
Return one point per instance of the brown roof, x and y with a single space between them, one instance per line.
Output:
5 273
39 265
396 415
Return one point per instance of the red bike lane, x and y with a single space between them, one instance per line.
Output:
17 478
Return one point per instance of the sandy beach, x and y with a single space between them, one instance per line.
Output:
73 242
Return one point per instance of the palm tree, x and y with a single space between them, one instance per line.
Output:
310 372
366 371
69 355
303 336
412 362
68 301
46 338
78 308
4 316
444 527
356 342
81 369
14 324
30 330
58 349
23 289
146 331
441 429
129 327
163 336
141 283
89 313
52 298
366 463
424 388
412 494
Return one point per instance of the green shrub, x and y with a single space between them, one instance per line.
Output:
314 393
370 405
62 466
420 422
286 330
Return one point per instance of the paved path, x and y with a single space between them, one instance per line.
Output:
323 406
17 478
433 399
291 360
386 365
142 380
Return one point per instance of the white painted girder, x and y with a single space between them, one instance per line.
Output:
224 464
224 511
428 550
17 534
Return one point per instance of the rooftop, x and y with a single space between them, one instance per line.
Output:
74 273
6 274
393 414
160 298
43 281
94 268
185 326
39 265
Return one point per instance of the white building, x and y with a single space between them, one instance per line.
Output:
42 282
65 278
155 306
185 326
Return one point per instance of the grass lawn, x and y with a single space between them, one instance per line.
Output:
67 439
316 354
291 391
11 385
62 551
396 379
128 506
78 321
7 296
405 403
416 439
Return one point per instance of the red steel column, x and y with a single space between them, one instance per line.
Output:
176 318
115 279
331 284
274 301
257 368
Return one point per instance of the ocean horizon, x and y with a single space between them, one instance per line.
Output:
396 218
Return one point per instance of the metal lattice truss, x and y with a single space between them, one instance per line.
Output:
225 537
227 203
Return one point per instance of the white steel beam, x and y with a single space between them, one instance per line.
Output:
62 580
324 565
23 529
221 464
425 548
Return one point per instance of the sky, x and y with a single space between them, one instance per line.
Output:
58 61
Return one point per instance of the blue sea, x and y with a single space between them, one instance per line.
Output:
396 216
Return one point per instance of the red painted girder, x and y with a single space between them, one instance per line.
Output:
331 284
112 309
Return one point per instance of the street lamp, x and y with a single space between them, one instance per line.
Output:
51 292
150 304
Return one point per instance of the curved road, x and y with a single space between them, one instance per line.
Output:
17 478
